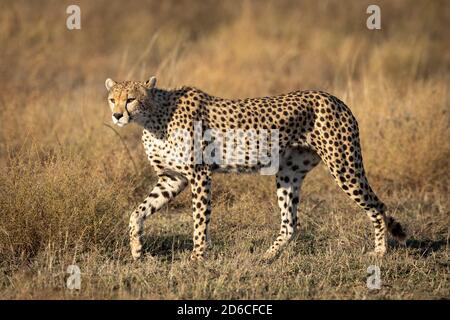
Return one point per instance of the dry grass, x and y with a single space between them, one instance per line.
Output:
67 183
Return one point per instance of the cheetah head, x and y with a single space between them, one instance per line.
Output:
127 99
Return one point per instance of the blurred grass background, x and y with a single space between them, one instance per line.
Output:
67 184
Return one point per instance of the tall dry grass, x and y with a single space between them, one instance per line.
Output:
68 181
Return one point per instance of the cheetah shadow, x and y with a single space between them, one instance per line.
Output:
165 246
425 247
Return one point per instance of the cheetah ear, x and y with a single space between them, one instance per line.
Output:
109 83
150 83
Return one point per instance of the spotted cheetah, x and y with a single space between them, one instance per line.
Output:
312 126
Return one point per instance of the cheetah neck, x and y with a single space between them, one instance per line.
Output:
158 111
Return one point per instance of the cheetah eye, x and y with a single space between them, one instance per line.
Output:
129 100
112 100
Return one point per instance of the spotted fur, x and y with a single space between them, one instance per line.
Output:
313 126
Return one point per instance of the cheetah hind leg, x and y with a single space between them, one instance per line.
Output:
363 195
293 168
353 181
287 194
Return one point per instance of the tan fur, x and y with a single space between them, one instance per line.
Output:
313 126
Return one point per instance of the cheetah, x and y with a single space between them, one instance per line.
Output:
312 127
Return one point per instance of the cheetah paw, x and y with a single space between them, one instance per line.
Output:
195 256
270 256
377 253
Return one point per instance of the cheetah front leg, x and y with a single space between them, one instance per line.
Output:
165 189
201 211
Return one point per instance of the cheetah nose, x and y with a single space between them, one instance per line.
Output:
117 115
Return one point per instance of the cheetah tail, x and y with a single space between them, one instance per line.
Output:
396 229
